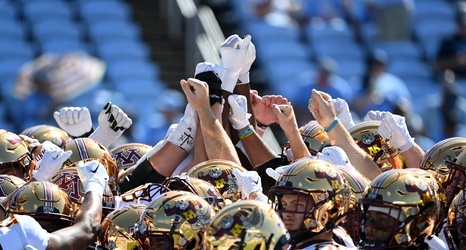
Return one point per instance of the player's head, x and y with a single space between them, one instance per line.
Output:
246 224
399 210
312 196
175 220
44 201
15 157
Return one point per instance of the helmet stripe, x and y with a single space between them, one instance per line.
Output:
81 146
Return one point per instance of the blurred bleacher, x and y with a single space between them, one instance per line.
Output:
146 53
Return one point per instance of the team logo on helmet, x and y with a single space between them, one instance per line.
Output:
190 210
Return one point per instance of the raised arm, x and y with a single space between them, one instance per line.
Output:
321 106
217 143
87 224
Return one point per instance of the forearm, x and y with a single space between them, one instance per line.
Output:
166 165
297 145
258 151
218 144
84 231
413 156
362 161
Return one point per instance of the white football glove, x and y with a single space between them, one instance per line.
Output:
343 113
185 132
93 175
392 128
112 123
52 160
76 121
239 116
233 51
248 182
275 173
334 155
250 57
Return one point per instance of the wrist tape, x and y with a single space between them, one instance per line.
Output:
215 85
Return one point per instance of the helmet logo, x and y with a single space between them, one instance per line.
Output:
127 157
69 182
190 210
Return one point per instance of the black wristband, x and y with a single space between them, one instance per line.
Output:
261 126
87 134
215 85
143 173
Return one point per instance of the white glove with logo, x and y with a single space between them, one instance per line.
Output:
112 123
392 128
248 182
275 173
250 57
343 113
239 116
93 175
233 51
185 132
76 121
334 155
52 160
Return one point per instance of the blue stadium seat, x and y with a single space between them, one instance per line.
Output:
431 32
410 68
329 32
52 29
119 69
64 45
10 28
399 50
339 49
7 9
91 11
433 10
122 49
37 10
273 50
113 28
16 48
263 32
350 68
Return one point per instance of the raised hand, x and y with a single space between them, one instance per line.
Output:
392 128
112 123
93 175
262 106
239 116
76 121
234 51
248 182
52 160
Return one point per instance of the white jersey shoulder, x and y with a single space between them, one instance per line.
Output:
22 232
341 232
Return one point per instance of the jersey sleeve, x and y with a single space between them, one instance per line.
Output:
22 232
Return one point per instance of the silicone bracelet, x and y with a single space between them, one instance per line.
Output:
334 123
249 131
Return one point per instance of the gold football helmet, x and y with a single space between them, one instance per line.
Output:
144 194
357 183
197 186
44 201
366 135
435 158
118 228
9 184
314 136
219 174
409 209
246 224
322 186
176 220
68 180
455 230
50 133
86 149
15 158
128 154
